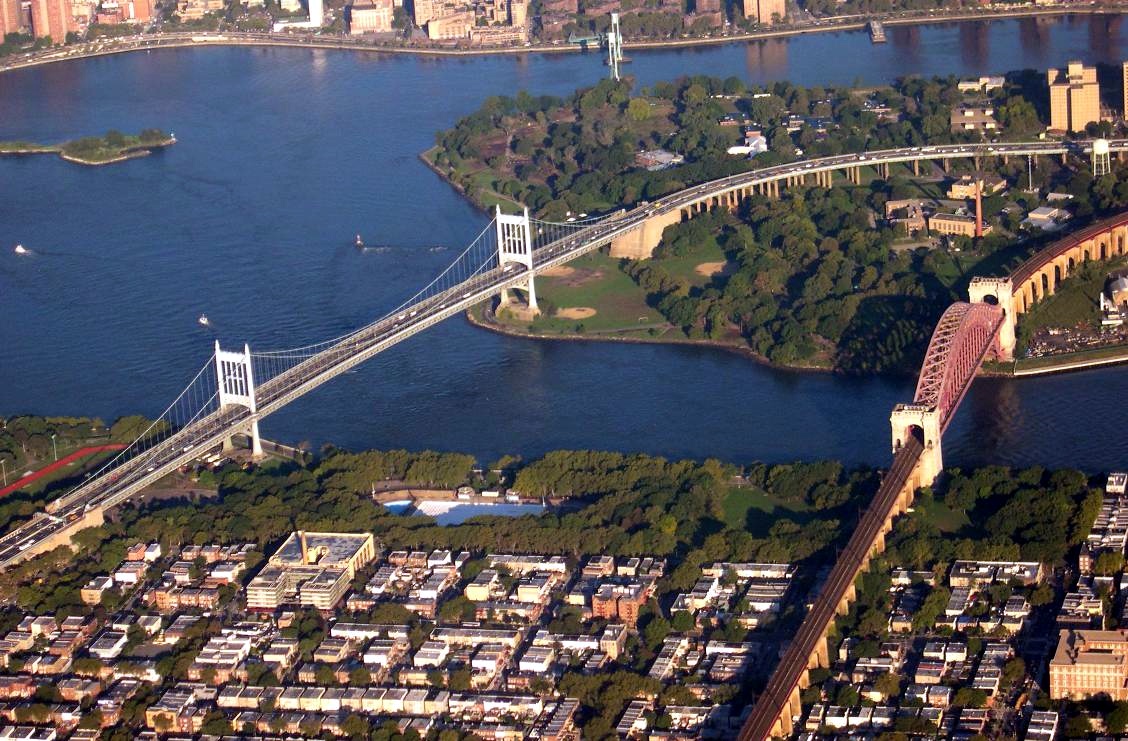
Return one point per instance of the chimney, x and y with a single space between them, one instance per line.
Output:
978 208
305 548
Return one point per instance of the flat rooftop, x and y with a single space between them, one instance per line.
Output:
322 549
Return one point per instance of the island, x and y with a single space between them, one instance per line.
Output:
849 278
113 147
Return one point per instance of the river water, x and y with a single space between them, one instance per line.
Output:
285 154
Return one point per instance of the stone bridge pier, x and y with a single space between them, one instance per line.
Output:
639 243
922 422
997 291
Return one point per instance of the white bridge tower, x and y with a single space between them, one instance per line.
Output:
614 47
515 246
237 387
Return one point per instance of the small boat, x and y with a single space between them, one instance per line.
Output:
203 320
21 250
359 242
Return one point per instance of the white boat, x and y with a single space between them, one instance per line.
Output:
203 320
20 250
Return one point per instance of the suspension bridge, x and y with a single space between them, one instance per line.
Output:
235 390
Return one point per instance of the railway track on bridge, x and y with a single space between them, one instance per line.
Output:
784 681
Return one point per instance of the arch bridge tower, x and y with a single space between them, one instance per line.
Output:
515 246
997 291
237 387
923 422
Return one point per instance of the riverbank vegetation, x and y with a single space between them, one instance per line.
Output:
114 146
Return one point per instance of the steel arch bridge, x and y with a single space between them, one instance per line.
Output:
964 336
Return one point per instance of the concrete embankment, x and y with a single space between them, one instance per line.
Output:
1071 362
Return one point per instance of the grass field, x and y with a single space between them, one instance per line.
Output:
945 518
684 267
754 510
595 281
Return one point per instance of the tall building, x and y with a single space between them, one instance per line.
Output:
316 12
518 12
51 18
370 16
9 17
1075 99
1124 74
422 11
138 11
451 27
765 11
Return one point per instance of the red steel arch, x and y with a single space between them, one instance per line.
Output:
960 342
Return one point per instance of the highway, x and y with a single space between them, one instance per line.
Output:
193 440
785 678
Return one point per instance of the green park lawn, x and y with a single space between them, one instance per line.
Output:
755 510
595 281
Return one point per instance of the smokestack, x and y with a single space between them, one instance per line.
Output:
305 548
978 207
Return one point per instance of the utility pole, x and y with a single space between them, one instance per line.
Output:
54 447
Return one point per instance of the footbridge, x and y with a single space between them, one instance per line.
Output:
966 334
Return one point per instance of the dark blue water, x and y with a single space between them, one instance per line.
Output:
285 154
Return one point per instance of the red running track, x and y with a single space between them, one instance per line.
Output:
64 461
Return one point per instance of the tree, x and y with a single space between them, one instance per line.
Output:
91 719
970 698
325 675
1109 563
360 677
656 631
356 726
888 685
638 109
216 724
460 680
1117 718
683 621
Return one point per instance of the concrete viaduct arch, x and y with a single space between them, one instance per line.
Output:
639 243
1040 276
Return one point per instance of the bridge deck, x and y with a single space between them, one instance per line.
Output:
775 697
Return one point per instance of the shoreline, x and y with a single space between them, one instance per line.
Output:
745 352
127 153
1065 363
188 39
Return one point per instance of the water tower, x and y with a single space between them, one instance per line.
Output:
1102 163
